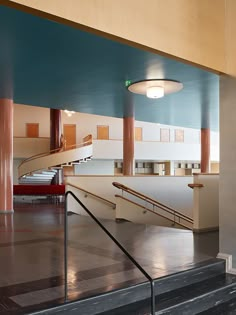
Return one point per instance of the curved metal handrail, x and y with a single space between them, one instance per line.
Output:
131 258
112 204
152 202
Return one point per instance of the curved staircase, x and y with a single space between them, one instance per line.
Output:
41 168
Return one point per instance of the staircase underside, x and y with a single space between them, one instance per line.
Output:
41 169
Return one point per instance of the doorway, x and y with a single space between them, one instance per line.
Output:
103 132
32 130
69 132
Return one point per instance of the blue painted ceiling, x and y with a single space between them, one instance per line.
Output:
57 66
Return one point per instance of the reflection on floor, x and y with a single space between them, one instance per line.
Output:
31 255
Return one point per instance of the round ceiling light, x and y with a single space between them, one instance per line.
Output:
155 88
69 113
155 92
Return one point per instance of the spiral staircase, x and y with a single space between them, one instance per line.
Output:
42 168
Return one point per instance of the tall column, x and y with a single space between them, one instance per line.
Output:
128 146
55 135
128 136
6 155
55 128
205 150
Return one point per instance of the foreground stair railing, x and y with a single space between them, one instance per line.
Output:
176 214
131 258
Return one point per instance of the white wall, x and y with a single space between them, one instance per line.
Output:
87 124
31 114
26 147
166 151
95 167
132 212
228 166
97 206
206 202
149 148
172 191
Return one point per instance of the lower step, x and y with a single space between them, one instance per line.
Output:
108 302
189 300
228 308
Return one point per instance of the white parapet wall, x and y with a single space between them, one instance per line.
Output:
170 190
98 207
152 150
206 202
130 211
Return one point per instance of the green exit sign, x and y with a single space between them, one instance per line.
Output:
127 83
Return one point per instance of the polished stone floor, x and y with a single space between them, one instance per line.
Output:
32 261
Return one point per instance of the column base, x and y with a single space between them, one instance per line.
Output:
6 211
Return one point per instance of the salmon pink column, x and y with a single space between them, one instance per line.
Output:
128 146
55 128
205 150
128 135
6 155
55 137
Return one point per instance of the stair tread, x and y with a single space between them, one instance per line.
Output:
179 296
228 308
194 290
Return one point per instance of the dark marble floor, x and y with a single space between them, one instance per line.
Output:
31 256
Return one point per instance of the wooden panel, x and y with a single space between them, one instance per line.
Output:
179 135
165 135
189 29
32 130
138 134
69 135
103 132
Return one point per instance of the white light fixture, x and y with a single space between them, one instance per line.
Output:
155 88
155 91
69 113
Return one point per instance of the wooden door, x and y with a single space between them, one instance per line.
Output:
138 134
103 132
32 130
69 132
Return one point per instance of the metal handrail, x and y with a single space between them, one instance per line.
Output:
112 204
152 201
152 211
131 258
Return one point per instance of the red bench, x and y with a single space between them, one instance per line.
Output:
38 190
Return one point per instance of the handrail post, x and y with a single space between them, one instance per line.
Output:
65 250
153 303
